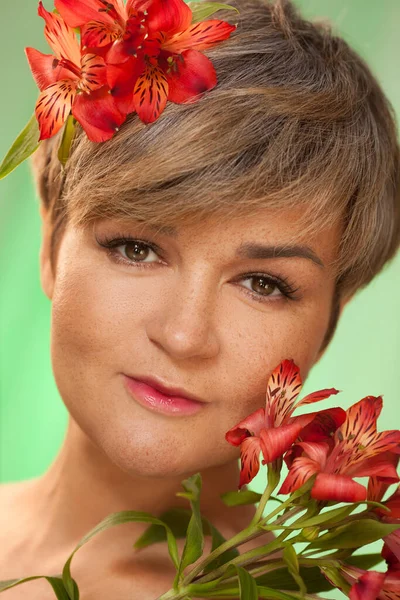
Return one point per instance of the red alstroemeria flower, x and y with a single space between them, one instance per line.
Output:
167 63
103 22
273 430
358 451
71 81
372 585
376 491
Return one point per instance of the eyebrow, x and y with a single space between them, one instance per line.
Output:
256 250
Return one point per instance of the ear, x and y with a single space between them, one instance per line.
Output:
46 275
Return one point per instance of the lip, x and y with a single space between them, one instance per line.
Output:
171 401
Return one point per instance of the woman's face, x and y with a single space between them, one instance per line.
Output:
191 312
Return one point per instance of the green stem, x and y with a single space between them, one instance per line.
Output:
273 480
247 557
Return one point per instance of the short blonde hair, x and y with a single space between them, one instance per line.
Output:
297 119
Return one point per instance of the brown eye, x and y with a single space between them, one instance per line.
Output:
263 286
137 251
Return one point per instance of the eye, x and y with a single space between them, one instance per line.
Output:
266 288
136 251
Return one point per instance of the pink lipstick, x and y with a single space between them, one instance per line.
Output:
155 400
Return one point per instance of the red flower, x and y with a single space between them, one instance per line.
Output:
273 430
376 491
358 451
372 585
71 81
103 22
166 64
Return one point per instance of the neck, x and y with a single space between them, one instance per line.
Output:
82 487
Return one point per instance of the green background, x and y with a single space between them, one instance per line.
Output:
362 359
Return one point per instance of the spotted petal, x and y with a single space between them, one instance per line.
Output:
54 105
93 73
251 425
97 34
324 425
283 387
250 463
46 69
194 75
150 94
61 38
199 36
302 469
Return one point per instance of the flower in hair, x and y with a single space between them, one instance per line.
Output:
113 58
71 80
131 58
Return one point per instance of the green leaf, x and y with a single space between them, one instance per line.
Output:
334 576
25 144
329 517
55 582
202 10
194 544
247 585
177 520
280 579
66 142
270 594
240 498
292 562
364 561
118 518
354 535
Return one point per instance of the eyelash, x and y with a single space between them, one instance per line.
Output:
288 291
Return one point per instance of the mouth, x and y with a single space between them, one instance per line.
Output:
161 399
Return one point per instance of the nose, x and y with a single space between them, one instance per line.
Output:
183 324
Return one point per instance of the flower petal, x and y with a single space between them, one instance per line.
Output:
317 396
360 424
79 12
250 426
368 586
339 488
194 75
323 425
150 94
302 469
54 105
96 34
61 38
168 15
283 387
93 73
250 463
275 441
391 550
121 79
199 36
46 68
98 114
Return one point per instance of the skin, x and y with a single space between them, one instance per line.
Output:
188 319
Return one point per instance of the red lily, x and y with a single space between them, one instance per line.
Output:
376 491
71 81
166 64
103 22
372 585
273 430
358 451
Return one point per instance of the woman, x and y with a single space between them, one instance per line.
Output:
194 255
